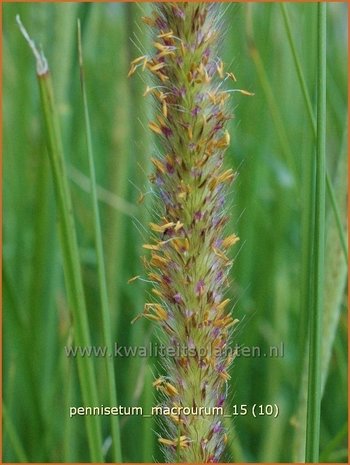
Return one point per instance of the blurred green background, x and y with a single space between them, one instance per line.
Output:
272 147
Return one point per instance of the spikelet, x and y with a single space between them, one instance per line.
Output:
188 261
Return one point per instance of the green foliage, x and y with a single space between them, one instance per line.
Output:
273 149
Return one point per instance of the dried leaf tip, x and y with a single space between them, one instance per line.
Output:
42 67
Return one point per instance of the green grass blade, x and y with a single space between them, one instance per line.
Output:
71 260
316 314
106 323
312 120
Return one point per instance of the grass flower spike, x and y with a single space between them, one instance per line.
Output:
189 261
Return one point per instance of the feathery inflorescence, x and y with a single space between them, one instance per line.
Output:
188 261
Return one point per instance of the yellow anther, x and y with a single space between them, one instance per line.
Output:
162 48
230 240
225 376
162 76
220 69
223 304
178 226
181 245
159 313
155 67
141 198
157 292
165 109
207 79
150 247
221 255
227 176
190 132
183 49
165 53
166 35
147 91
132 70
158 261
245 92
176 418
158 382
155 128
181 442
232 76
145 61
154 277
227 138
158 164
161 228
147 20
167 442
170 389
224 141
138 60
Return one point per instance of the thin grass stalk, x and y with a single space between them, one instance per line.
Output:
119 179
71 260
270 98
298 67
312 120
318 253
102 279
